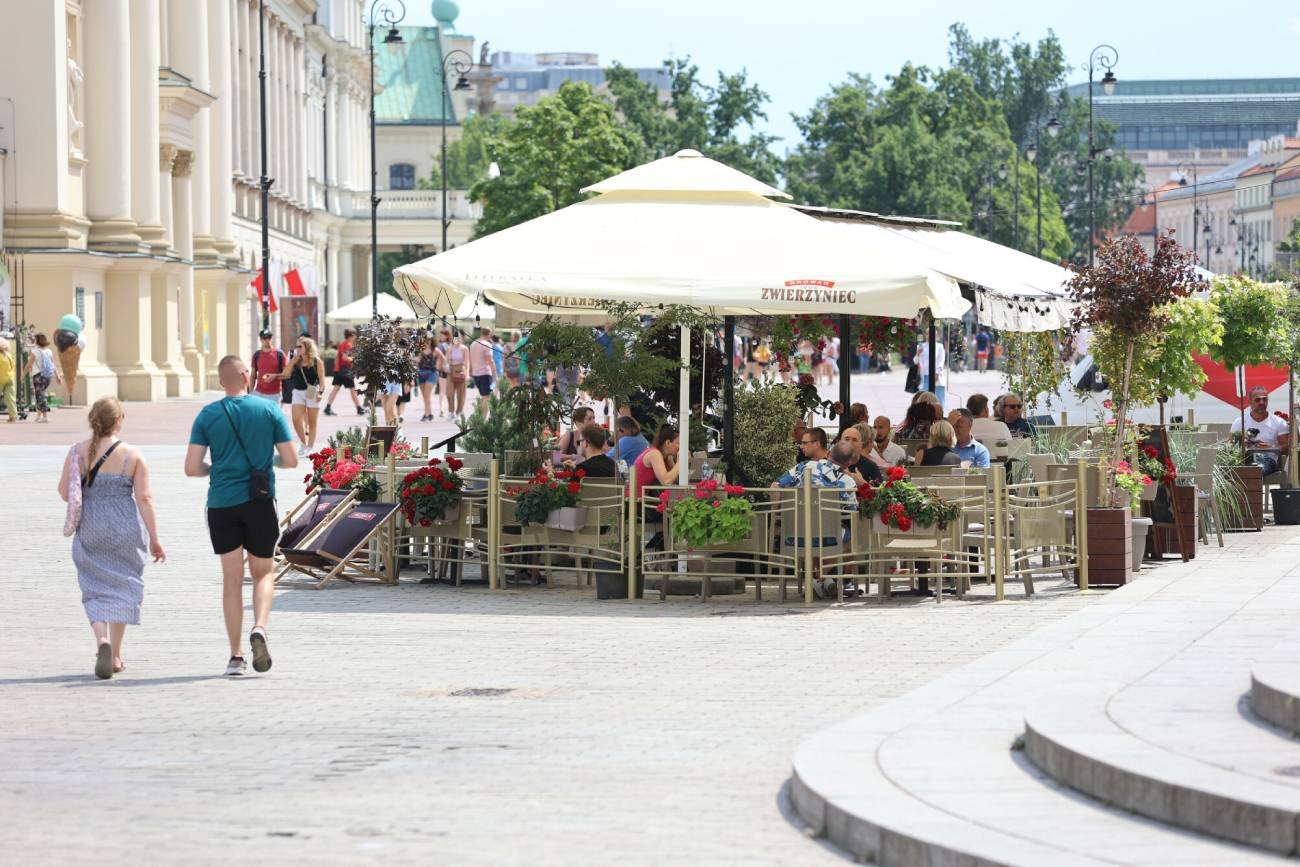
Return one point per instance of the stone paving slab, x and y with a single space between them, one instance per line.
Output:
636 733
932 778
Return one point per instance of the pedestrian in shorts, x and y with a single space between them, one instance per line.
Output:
245 437
343 377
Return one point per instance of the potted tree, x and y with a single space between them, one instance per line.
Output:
1254 332
1125 296
384 352
1286 501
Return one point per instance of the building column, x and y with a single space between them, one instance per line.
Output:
188 34
210 283
183 240
145 58
166 156
128 329
222 193
108 129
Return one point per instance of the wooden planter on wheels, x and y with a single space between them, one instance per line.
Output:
1251 498
1110 547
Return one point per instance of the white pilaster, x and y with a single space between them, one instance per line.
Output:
146 56
222 194
166 157
108 132
183 234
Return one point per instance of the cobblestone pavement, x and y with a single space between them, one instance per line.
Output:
427 724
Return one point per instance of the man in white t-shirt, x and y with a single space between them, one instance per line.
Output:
1264 430
882 450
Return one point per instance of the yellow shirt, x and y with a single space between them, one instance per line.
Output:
6 368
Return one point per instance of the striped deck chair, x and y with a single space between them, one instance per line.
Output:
339 548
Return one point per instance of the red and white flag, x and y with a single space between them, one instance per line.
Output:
293 280
269 296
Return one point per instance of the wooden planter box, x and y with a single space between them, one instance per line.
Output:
1168 540
1110 547
1251 480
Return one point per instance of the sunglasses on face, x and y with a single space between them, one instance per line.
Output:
1012 405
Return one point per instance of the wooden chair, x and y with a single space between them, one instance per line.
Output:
338 548
1207 505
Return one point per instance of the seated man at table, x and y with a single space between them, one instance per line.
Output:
597 464
831 470
863 470
967 448
1263 431
985 427
882 450
1012 409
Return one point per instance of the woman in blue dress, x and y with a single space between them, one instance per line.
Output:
117 523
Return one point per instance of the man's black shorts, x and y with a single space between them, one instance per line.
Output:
252 526
343 377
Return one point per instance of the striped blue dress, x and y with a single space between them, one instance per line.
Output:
110 549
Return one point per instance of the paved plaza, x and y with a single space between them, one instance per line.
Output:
425 723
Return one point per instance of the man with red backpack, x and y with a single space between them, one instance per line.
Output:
268 364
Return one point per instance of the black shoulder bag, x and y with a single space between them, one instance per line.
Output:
89 478
259 481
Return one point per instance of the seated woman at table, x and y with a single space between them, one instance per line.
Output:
916 424
571 442
939 453
657 465
863 470
597 465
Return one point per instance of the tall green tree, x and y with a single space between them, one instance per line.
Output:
717 120
932 144
1028 82
470 155
548 154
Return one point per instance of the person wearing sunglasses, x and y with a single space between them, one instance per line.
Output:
1012 409
1264 430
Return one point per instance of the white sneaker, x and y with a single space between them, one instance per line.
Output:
235 667
302 450
819 589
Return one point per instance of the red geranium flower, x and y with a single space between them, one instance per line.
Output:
896 474
575 487
904 523
454 463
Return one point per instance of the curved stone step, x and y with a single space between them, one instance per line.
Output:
1275 687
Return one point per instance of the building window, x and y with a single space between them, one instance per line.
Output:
401 176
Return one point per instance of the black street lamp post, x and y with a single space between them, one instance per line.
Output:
460 63
1104 56
1183 169
380 10
264 182
1053 130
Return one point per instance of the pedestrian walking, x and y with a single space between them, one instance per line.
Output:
268 364
115 527
427 364
245 437
43 371
457 374
305 373
343 377
482 367
8 380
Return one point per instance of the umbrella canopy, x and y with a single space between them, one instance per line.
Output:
681 230
1013 290
359 311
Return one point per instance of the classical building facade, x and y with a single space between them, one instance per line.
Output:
129 163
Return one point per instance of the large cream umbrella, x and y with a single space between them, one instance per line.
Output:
681 230
360 311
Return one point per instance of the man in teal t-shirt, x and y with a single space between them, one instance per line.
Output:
245 435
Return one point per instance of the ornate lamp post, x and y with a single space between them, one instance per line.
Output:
459 63
1101 56
380 11
1183 169
1031 153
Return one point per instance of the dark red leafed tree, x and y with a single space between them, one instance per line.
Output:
1124 291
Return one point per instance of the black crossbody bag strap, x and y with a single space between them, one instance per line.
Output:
89 478
259 481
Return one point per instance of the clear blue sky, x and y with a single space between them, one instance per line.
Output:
795 50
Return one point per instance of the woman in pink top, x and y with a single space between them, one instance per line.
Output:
657 465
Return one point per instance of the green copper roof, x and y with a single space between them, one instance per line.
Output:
411 79
1184 87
